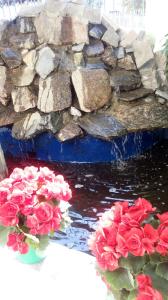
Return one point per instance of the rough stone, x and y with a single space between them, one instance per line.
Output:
123 80
109 57
161 100
92 88
1 62
23 99
70 131
54 93
110 37
141 115
75 112
160 59
127 63
128 39
79 59
134 94
61 30
102 126
143 52
149 77
108 22
30 59
3 92
7 115
97 31
95 62
78 48
95 48
45 62
34 123
25 25
162 94
22 76
26 41
12 58
119 52
129 50
64 60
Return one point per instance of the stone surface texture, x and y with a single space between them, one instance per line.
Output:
65 62
92 88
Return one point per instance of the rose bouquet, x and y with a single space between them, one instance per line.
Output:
131 249
33 205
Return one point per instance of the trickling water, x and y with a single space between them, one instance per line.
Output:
96 186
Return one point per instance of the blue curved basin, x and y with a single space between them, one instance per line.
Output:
84 150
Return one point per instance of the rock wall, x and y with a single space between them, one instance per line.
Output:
71 71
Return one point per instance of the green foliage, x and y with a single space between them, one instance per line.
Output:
4 231
120 279
134 264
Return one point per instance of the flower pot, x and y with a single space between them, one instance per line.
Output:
32 257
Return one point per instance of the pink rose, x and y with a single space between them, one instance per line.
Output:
8 214
133 240
43 212
149 294
143 280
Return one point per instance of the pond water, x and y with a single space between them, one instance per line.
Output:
95 187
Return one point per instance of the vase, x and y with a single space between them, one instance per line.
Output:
33 256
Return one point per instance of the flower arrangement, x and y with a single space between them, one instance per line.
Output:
131 249
33 205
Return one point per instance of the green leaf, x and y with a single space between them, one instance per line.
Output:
4 231
44 241
162 270
120 279
133 263
132 295
117 295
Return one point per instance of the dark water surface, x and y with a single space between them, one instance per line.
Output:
96 187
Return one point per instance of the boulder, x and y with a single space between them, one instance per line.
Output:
26 41
134 94
25 25
22 76
34 123
45 62
23 98
95 62
149 77
97 31
92 87
142 115
95 48
7 115
127 63
128 39
160 59
54 93
12 58
75 112
110 37
3 92
61 30
30 59
109 57
119 52
70 131
143 52
102 126
123 80
162 94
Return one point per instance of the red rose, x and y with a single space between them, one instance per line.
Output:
8 214
119 210
150 233
133 240
162 246
142 203
163 218
143 280
43 212
149 294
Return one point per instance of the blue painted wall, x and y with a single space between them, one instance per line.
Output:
87 149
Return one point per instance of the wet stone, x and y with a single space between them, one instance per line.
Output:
102 126
12 58
97 31
134 94
123 80
94 48
70 131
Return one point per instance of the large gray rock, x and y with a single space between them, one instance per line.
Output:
26 41
92 88
60 30
145 115
109 57
45 63
97 31
54 93
162 94
95 62
70 131
143 52
110 37
123 80
3 92
12 58
128 39
149 77
23 98
134 94
95 48
25 25
22 76
7 115
34 123
160 59
102 126
119 52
